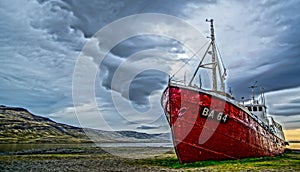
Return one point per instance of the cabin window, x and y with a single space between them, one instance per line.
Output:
254 108
249 108
259 108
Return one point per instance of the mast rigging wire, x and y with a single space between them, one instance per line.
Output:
190 59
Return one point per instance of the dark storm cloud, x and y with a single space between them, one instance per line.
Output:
284 103
147 81
277 62
139 43
146 127
154 80
94 15
294 121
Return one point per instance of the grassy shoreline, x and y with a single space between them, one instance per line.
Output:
166 161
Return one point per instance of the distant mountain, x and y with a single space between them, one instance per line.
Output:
18 125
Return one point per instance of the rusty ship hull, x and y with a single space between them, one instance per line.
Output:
207 126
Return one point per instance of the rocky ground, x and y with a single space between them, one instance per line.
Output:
94 159
71 163
153 160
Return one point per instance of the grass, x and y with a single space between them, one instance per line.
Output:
288 161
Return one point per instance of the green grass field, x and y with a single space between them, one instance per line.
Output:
286 162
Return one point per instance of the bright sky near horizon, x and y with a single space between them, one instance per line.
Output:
42 39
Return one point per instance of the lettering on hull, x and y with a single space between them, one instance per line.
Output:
205 112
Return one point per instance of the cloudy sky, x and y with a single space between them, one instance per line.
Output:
41 42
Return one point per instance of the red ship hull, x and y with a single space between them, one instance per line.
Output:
208 127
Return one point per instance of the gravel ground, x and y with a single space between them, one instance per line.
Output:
93 159
71 163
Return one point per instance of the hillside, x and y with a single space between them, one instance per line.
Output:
18 125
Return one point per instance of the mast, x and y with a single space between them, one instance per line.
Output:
214 63
213 56
252 89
